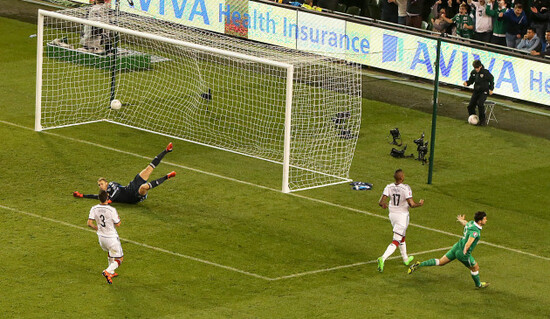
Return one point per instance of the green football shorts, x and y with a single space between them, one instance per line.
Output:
456 253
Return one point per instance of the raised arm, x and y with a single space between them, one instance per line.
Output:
490 9
450 21
461 219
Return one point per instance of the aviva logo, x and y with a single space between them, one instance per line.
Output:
392 48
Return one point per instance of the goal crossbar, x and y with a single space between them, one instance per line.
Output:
45 13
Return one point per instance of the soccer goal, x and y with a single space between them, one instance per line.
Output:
297 109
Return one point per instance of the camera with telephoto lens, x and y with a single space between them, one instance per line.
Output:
422 149
399 153
396 136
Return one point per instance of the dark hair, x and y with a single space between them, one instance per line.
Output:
479 216
518 5
397 173
477 64
103 196
532 29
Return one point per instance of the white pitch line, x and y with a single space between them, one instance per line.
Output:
354 265
140 244
163 161
419 226
210 262
273 189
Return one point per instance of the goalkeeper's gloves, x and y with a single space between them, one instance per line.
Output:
77 194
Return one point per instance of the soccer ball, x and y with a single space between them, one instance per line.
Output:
116 105
473 119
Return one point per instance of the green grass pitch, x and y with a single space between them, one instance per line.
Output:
220 240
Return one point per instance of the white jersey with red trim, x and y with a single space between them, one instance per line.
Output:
398 195
105 217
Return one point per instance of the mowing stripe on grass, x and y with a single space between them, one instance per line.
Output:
140 244
355 264
272 189
419 226
213 263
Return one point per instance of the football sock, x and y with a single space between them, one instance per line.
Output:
157 182
391 248
112 267
94 196
403 250
156 161
429 262
475 277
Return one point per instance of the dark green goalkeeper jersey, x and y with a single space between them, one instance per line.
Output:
470 230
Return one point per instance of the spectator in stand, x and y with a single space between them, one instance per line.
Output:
540 16
546 52
483 22
388 10
401 11
308 4
97 40
414 13
530 41
499 28
451 9
516 23
451 6
438 21
463 21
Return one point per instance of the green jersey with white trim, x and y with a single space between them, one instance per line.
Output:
470 230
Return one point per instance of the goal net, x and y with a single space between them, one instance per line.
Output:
297 109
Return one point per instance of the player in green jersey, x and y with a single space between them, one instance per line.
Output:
462 250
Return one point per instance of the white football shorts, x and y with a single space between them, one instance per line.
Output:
399 222
111 245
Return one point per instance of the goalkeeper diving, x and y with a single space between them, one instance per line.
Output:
136 190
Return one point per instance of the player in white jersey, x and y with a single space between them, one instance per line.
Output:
400 199
106 220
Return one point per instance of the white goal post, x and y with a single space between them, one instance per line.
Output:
293 108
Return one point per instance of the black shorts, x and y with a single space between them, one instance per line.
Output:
133 188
